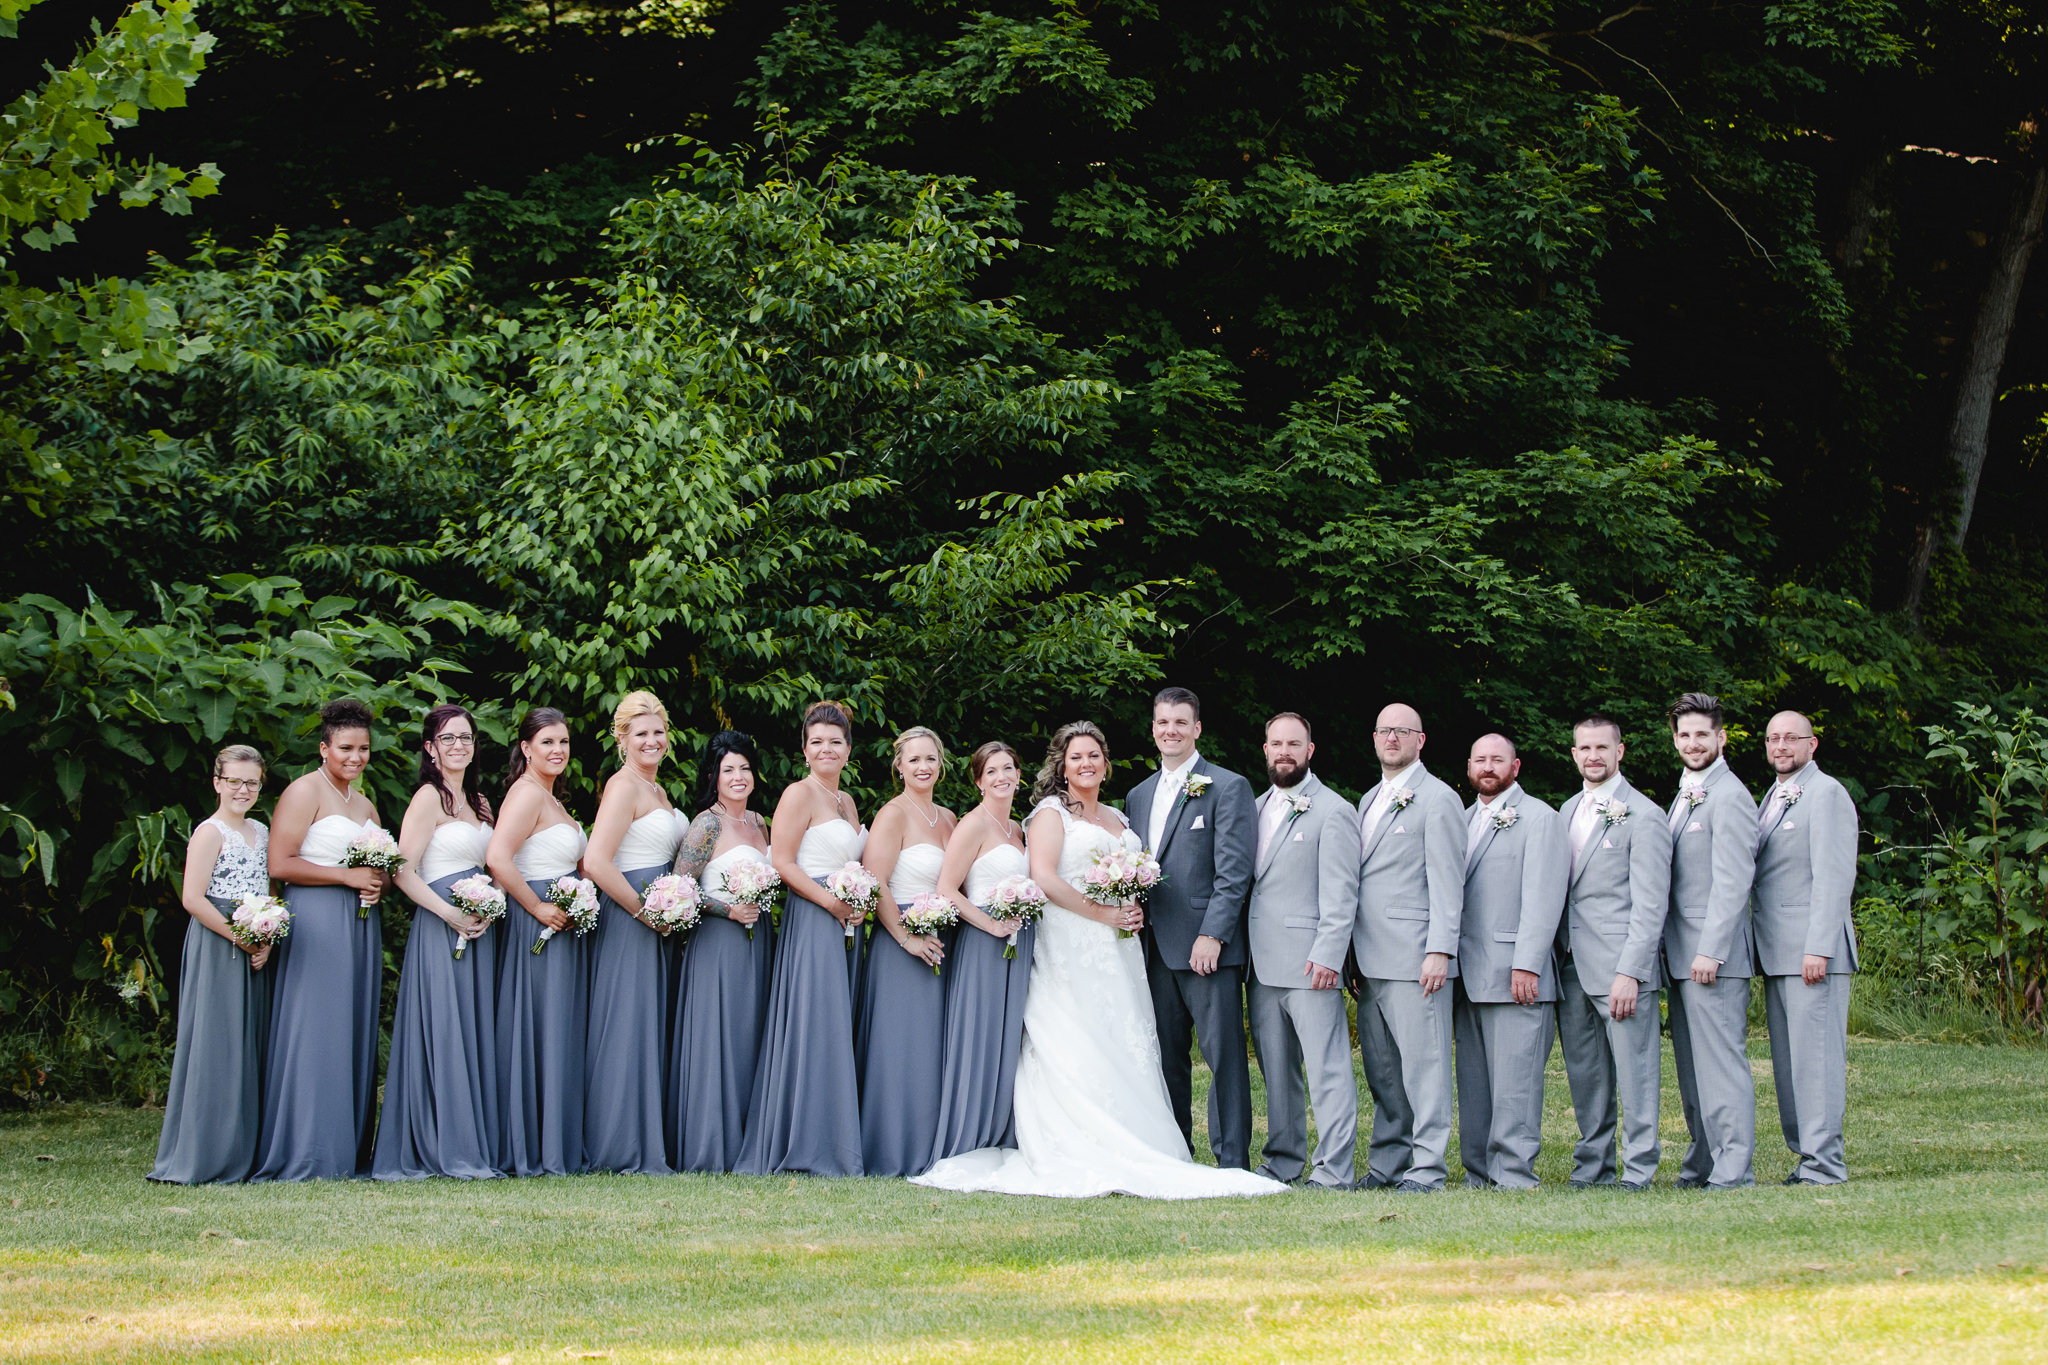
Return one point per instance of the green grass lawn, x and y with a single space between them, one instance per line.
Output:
1937 1249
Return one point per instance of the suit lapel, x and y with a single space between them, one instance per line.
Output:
1486 835
1180 798
1593 837
1138 806
1714 774
1779 818
1308 789
1387 821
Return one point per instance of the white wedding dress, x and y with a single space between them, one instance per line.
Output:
1092 1116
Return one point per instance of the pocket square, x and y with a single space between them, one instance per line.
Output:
1607 843
1790 825
1197 824
1400 829
1297 838
1693 826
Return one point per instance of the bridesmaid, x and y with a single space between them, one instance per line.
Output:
320 1078
632 967
544 997
897 1039
805 1111
215 1101
724 995
984 990
441 1088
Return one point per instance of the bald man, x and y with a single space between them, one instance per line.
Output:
1411 900
1505 1012
1806 945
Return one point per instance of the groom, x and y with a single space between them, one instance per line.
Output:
1198 821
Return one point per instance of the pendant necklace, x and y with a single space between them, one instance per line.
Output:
347 792
931 821
837 798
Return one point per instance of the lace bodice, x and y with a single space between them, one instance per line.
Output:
326 843
1004 860
243 866
828 847
916 873
713 880
651 841
457 846
551 852
1084 840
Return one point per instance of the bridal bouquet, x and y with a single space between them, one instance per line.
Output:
476 895
259 920
376 848
930 913
1015 901
672 902
577 897
856 886
757 884
1119 876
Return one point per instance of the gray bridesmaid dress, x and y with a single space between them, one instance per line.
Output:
805 1112
632 996
320 1077
719 1017
897 1037
543 1021
441 1087
984 1022
214 1107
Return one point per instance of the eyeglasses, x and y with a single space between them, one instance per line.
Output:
1785 739
242 784
456 741
1391 731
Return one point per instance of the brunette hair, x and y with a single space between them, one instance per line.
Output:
1052 775
705 795
1701 703
902 741
978 764
1297 718
239 753
1177 696
343 713
826 713
430 768
1596 718
631 707
532 723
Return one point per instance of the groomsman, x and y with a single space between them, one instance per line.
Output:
1608 945
1505 1012
1411 895
1708 951
1304 900
1806 945
1199 823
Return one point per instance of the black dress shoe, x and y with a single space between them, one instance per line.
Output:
1319 1188
1688 1183
1633 1186
1416 1187
1592 1184
1373 1182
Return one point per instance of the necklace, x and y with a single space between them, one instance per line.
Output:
837 798
1009 828
743 816
931 821
656 785
545 791
348 793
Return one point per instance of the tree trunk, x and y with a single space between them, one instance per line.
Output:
1983 357
1862 208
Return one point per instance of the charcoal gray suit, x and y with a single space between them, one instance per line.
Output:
1304 901
1713 862
1206 855
1411 898
1614 918
1514 896
1805 876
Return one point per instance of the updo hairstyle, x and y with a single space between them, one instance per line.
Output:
631 707
343 713
904 741
827 713
239 753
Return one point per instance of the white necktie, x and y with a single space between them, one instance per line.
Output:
1472 835
1582 824
1162 805
1270 821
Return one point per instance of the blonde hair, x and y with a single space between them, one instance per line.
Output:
631 707
903 742
238 753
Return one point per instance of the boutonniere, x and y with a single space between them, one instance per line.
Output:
1611 812
1298 803
1693 797
1403 798
1504 817
1197 785
1790 794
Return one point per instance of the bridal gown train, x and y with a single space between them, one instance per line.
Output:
1091 1110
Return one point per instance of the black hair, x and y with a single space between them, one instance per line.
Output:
343 713
704 795
530 724
1177 696
1702 703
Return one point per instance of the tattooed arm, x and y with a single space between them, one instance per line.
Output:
700 840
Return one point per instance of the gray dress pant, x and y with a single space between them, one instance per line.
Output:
1404 1038
1709 1050
1810 1058
1608 1060
1297 1029
1188 1007
1502 1050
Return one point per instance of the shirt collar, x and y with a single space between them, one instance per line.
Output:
1700 779
1400 779
1605 789
1513 789
1180 773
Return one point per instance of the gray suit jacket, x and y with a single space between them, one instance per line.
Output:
1620 890
1805 878
1411 882
1305 893
1206 854
1713 862
1514 896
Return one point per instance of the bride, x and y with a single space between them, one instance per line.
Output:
1091 1110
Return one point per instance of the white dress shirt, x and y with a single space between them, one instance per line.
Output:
1273 815
1476 826
1171 780
1381 802
1585 817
